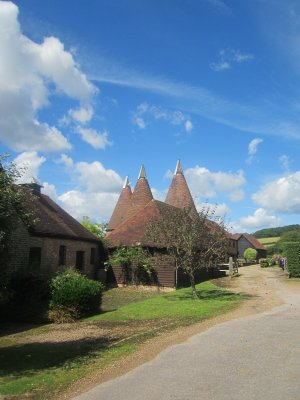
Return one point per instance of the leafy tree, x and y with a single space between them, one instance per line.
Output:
250 254
290 236
195 241
275 232
14 208
98 229
136 264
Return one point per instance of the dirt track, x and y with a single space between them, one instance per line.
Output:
262 288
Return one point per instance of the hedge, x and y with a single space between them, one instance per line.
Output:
291 251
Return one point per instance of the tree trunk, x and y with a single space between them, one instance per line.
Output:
194 291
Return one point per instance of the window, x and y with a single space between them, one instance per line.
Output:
93 252
35 256
62 255
79 260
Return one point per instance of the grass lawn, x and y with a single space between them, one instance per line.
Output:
270 241
41 362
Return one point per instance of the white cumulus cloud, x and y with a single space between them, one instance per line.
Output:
97 206
260 219
207 184
98 140
30 73
82 114
96 178
95 191
28 163
281 195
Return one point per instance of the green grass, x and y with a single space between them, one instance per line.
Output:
270 241
119 297
178 304
35 369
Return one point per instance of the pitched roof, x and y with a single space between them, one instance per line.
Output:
122 208
53 221
251 239
133 230
179 194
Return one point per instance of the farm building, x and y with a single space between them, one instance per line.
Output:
245 241
130 220
55 241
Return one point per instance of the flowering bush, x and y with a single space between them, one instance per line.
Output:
264 262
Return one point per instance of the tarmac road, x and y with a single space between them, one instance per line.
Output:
255 357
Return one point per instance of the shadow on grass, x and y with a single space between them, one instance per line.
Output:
26 359
10 328
204 295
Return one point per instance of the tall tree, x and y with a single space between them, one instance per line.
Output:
98 229
14 209
13 202
195 242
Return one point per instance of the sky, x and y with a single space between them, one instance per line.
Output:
89 91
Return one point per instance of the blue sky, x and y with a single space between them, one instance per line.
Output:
89 91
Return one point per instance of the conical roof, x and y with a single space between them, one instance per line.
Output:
122 208
142 193
179 194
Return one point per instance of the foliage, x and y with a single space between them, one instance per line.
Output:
29 297
250 254
195 241
291 250
74 296
98 229
264 262
274 232
135 262
14 202
292 235
33 368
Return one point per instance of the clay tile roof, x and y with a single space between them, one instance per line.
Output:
179 194
251 239
122 208
141 195
53 221
132 231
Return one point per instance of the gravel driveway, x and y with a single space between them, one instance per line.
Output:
251 357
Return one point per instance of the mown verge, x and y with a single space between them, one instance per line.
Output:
44 361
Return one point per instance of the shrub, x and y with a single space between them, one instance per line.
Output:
136 264
28 298
292 253
74 296
250 254
264 262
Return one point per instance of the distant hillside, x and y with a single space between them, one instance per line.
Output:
275 232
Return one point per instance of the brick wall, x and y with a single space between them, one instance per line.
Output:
22 241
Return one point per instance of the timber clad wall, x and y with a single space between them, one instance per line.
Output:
165 273
244 244
164 267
